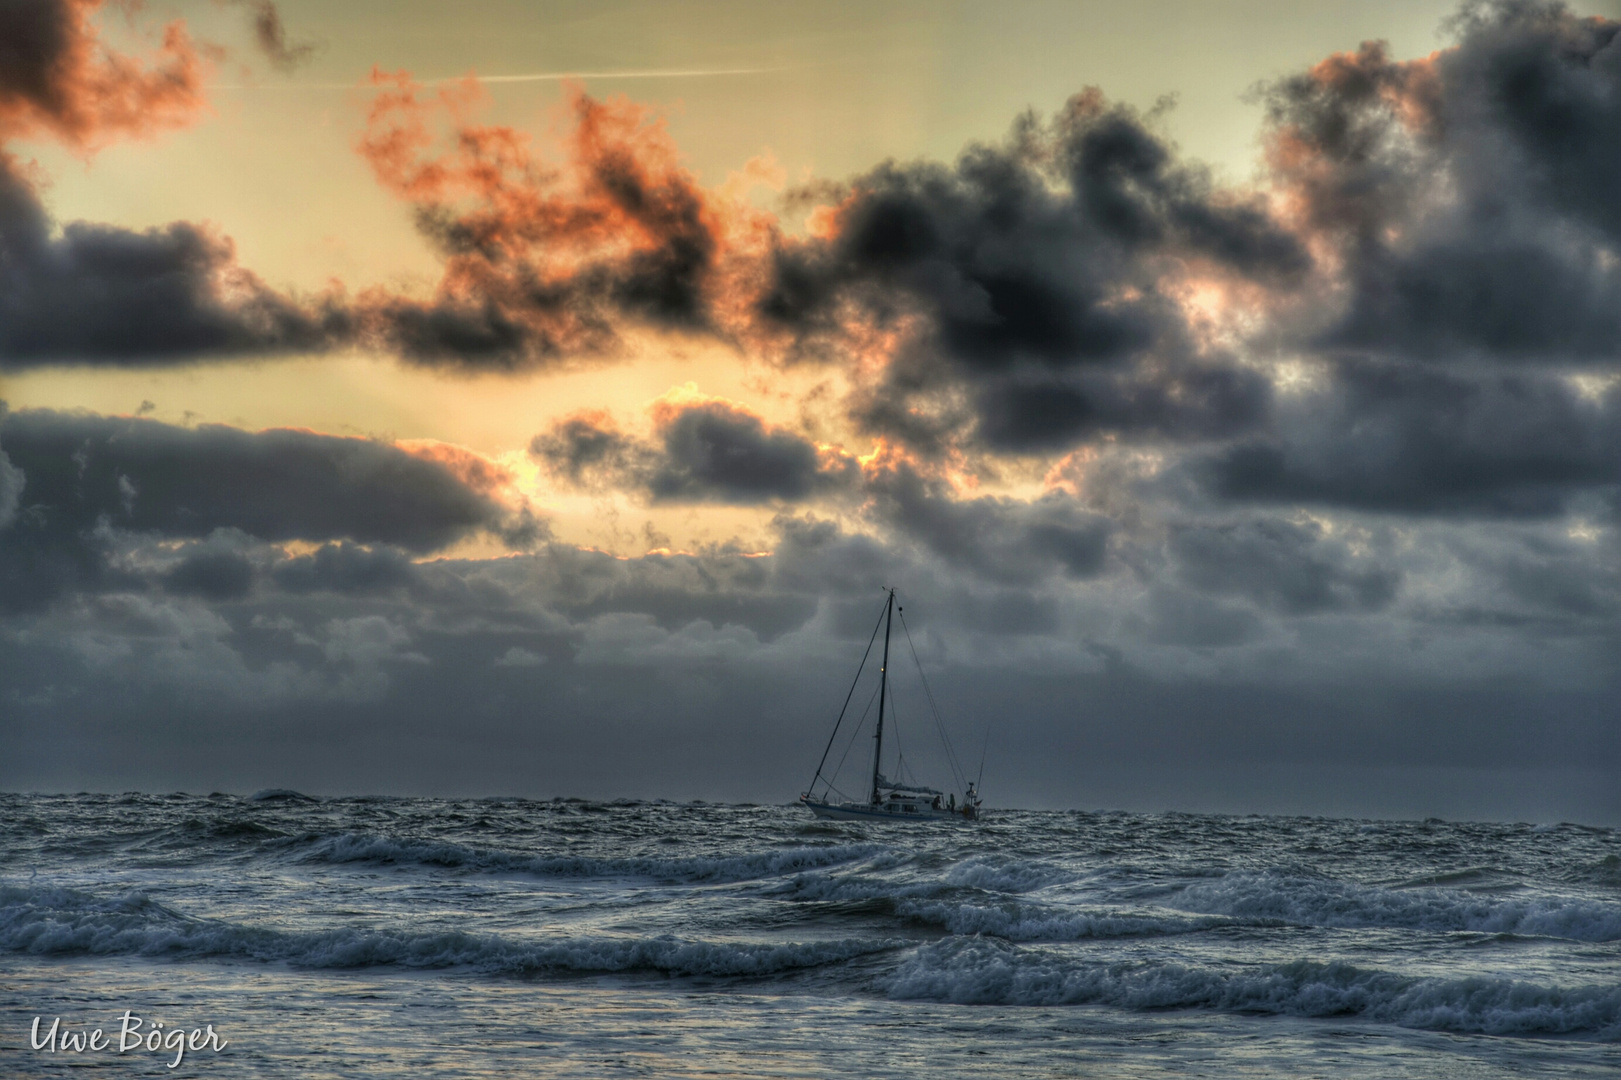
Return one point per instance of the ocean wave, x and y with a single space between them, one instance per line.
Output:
1031 922
243 829
979 971
57 922
1605 871
1474 878
971 876
966 909
1007 875
1340 904
381 850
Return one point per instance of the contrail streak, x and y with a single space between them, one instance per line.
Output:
538 76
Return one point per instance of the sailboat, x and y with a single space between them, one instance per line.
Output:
891 800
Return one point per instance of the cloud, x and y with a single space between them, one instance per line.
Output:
1184 402
58 78
1042 250
1464 200
89 481
271 37
719 585
211 575
345 568
11 485
1028 291
1393 439
999 538
587 450
1293 568
278 484
98 294
704 450
177 644
545 263
718 452
518 657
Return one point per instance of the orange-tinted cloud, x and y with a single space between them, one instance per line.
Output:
475 471
547 259
58 78
89 293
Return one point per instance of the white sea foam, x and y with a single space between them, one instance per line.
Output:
958 908
1326 902
984 971
382 850
66 922
1007 875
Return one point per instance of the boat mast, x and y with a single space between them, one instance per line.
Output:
883 692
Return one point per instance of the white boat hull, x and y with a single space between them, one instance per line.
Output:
881 812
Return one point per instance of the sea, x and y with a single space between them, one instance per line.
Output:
288 936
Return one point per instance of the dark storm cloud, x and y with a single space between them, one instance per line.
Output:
703 452
721 587
97 294
1189 619
477 336
280 484
212 575
345 568
1190 401
1557 576
1000 539
1291 568
588 451
11 484
1470 194
1425 442
818 556
715 452
1041 250
1031 265
87 480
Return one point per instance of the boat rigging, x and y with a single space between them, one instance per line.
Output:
886 798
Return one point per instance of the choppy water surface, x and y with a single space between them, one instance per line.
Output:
420 937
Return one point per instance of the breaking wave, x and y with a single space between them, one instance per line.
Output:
380 850
59 922
987 972
959 909
1325 902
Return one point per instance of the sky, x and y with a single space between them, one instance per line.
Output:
538 399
